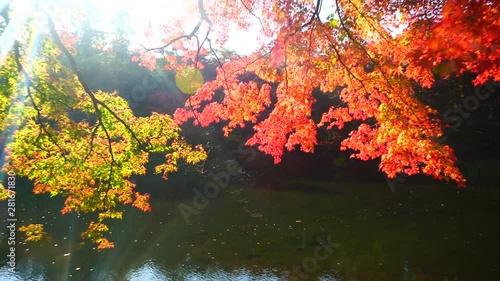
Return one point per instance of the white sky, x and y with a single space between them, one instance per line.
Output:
159 12
156 12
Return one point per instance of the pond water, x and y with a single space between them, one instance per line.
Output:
317 231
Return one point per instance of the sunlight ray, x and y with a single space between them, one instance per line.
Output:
13 29
19 94
71 243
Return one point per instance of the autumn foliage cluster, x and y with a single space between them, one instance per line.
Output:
341 47
355 49
79 144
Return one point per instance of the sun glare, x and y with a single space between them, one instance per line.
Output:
141 20
135 16
158 13
139 14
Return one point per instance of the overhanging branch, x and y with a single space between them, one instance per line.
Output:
203 18
96 102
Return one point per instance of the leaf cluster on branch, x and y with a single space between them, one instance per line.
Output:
354 48
77 143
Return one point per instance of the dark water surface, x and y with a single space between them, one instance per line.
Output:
415 233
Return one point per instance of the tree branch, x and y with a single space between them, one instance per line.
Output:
315 15
96 102
203 18
17 57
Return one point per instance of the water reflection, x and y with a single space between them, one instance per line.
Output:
152 270
149 271
411 236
